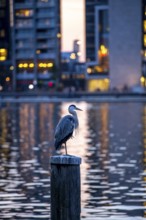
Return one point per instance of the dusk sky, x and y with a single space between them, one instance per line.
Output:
73 25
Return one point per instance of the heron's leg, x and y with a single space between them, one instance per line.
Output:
65 148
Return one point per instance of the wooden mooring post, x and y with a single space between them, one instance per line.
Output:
65 187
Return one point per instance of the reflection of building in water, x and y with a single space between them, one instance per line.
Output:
27 130
36 127
3 125
6 137
97 153
114 156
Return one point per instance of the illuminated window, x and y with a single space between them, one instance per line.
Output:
24 13
144 40
144 25
3 54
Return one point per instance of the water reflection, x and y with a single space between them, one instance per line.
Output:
26 144
115 158
111 142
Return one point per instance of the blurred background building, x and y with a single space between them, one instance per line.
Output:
73 71
113 44
30 46
36 43
5 47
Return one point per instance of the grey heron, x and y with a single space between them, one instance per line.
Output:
66 126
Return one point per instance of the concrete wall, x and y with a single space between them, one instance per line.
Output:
125 42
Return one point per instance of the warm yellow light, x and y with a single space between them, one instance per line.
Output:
40 64
106 80
11 67
89 70
50 65
144 39
2 58
98 84
31 65
142 79
58 35
73 56
3 54
26 12
3 50
144 25
44 65
25 65
7 79
104 50
20 65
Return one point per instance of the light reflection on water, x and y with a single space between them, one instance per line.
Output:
111 142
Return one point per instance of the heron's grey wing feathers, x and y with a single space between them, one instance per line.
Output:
64 127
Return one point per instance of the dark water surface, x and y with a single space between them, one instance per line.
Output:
111 141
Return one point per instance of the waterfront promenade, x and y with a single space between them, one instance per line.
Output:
38 96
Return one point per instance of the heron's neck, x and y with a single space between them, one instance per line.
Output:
76 118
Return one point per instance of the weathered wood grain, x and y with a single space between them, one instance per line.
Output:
65 187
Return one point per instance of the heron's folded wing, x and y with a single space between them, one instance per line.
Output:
64 127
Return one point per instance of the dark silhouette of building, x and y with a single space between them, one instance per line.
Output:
5 46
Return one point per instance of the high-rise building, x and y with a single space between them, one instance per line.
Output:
91 26
36 42
5 46
114 44
125 43
97 44
143 78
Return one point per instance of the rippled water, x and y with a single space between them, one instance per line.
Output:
111 142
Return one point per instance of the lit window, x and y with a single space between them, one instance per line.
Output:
24 13
3 54
50 65
144 40
73 56
58 35
31 65
8 79
144 25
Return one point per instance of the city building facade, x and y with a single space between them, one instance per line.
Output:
114 44
125 43
36 42
5 47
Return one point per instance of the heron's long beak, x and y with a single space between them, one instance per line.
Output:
79 109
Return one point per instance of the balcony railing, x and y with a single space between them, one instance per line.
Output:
45 35
24 25
48 55
45 25
25 75
24 35
24 55
25 5
45 14
25 45
41 4
46 45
